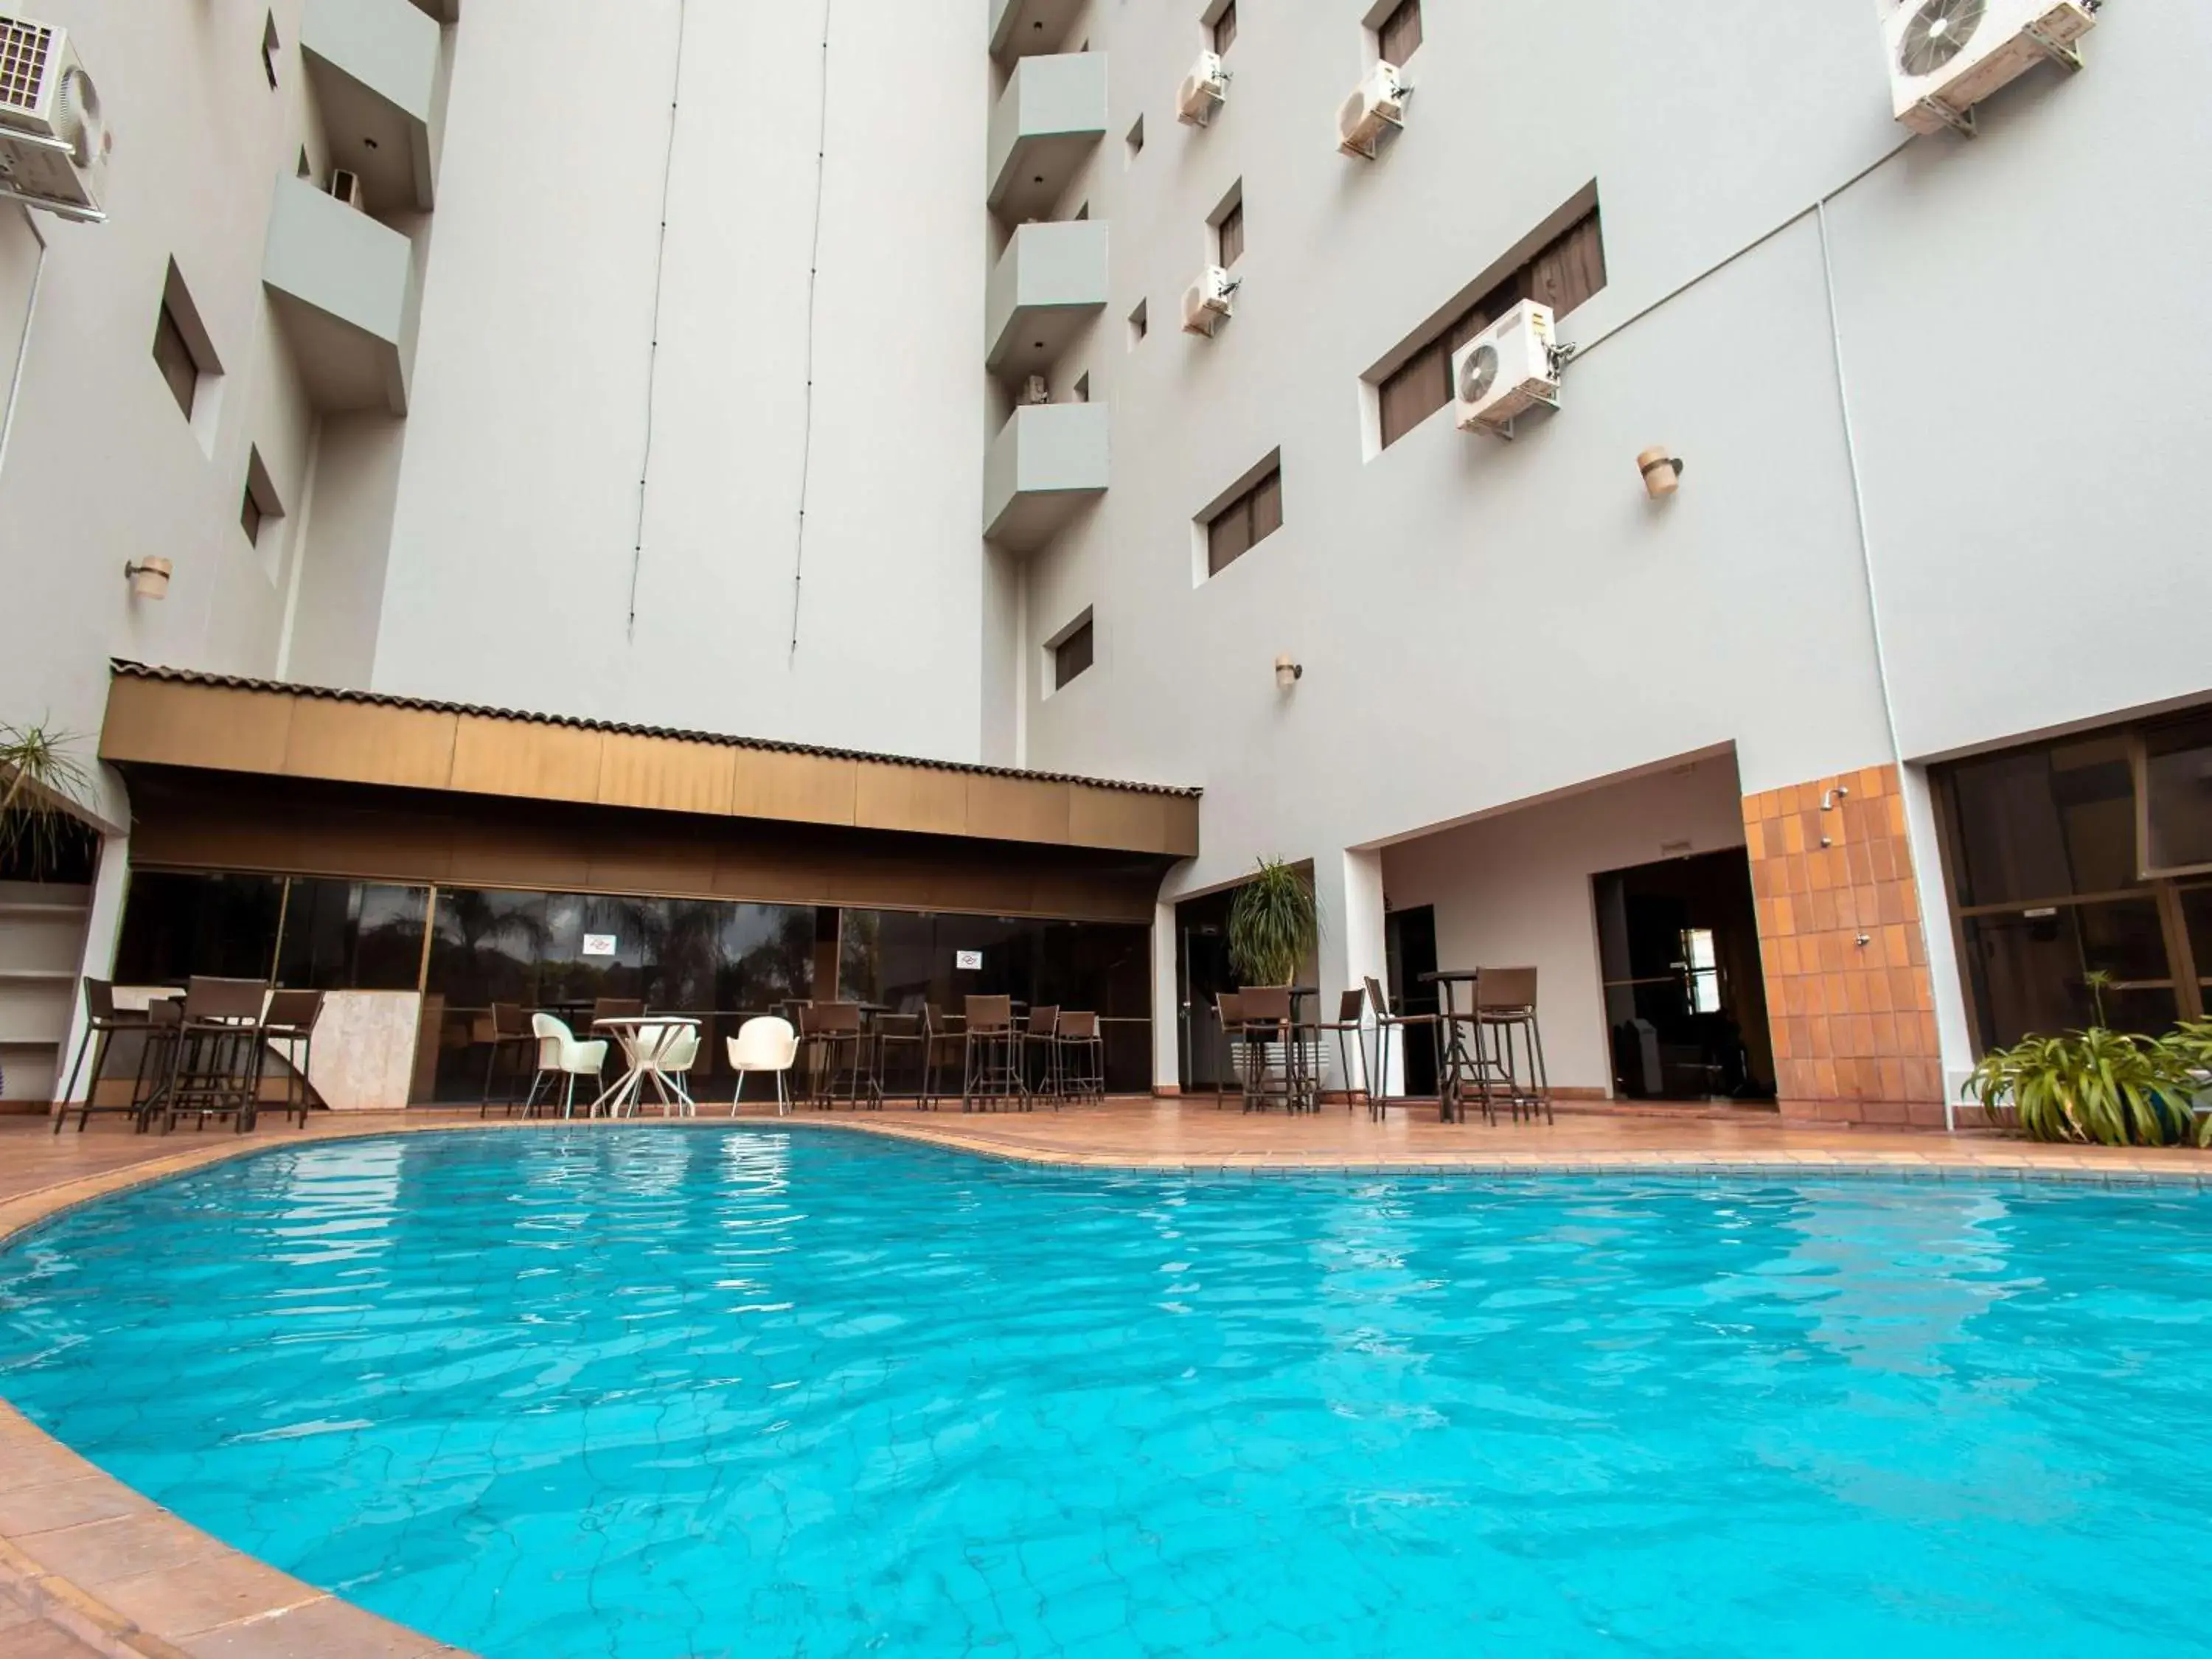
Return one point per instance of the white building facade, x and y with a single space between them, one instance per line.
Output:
822 377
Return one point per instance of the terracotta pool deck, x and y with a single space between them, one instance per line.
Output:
87 1566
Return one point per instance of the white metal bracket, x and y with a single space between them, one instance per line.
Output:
2067 57
1960 121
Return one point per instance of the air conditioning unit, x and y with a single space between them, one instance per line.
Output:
1036 390
1508 369
1203 90
1211 301
346 186
1379 102
54 144
1946 56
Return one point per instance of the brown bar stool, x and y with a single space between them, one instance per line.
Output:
896 1035
103 1023
1349 1026
291 1020
1080 1056
1042 1031
946 1046
1378 1100
1229 1015
216 1072
1266 1013
991 1059
1505 1006
508 1031
843 1042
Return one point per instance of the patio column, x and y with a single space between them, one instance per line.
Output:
1167 1047
1349 890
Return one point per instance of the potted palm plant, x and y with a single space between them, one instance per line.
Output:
1274 924
38 777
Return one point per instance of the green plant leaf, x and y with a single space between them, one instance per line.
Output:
1274 924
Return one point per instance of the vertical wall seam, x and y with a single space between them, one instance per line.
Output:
813 280
23 346
653 350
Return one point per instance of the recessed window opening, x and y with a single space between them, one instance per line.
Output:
182 349
306 167
1073 650
1082 387
1224 27
1136 140
1562 274
261 508
270 48
1249 519
1140 322
1229 229
1398 36
1083 212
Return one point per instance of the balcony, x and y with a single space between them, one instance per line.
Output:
1044 466
1050 117
1025 28
1049 282
374 64
445 11
343 288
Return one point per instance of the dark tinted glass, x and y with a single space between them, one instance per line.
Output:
351 935
175 926
2029 973
2196 914
174 358
2178 785
1072 655
2046 823
485 947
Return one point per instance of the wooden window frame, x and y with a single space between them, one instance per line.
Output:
1229 234
1084 630
1255 513
1222 29
1396 21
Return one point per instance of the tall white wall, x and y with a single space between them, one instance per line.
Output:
510 571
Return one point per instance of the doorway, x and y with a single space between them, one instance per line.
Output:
1409 942
1685 994
1202 973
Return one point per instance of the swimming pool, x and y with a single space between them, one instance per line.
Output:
647 1392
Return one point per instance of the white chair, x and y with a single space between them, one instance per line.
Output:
678 1052
560 1056
766 1044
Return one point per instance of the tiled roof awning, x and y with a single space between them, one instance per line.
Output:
224 723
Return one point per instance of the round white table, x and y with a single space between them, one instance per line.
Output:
647 1042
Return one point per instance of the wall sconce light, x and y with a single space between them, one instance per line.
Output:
1288 673
149 578
1662 473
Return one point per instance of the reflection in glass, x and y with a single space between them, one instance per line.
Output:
2047 824
176 925
2196 915
351 935
2178 791
2029 971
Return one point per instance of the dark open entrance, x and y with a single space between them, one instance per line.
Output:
1202 973
1685 999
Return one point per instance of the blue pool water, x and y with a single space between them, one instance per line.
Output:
650 1393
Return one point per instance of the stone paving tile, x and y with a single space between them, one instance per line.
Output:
202 1594
321 1629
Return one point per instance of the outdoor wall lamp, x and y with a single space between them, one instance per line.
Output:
149 578
1288 673
1662 473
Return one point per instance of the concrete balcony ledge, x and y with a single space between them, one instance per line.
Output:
343 288
1047 284
1044 466
374 67
1051 116
445 11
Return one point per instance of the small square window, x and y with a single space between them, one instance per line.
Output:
1082 387
259 508
270 48
1398 36
173 355
1073 653
1141 321
1136 140
1247 521
1224 27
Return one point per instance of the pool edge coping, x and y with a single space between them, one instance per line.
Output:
89 1612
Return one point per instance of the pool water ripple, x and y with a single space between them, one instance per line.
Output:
647 1392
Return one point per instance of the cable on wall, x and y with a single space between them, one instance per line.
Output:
653 352
813 276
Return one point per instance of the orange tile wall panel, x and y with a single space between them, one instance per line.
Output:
1845 961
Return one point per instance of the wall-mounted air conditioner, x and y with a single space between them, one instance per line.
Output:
1203 90
1507 369
54 144
1211 301
346 186
1946 56
1377 104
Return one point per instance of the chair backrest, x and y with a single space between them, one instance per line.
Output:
1505 988
990 1014
837 1018
1378 998
1079 1027
555 1042
618 1008
99 998
1043 1019
1351 1007
807 1018
294 1011
679 1048
507 1020
765 1044
1265 1005
1229 1009
232 1001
